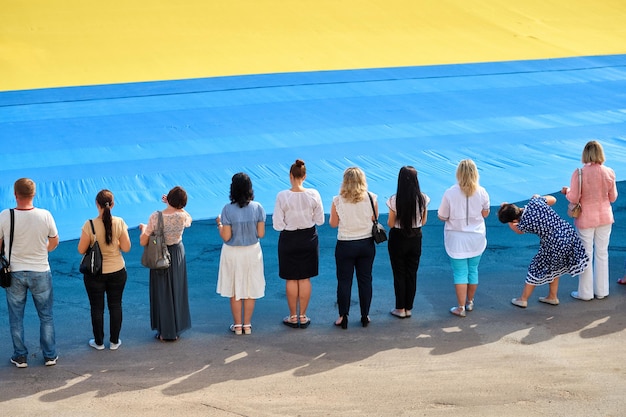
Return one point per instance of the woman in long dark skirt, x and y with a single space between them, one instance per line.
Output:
169 301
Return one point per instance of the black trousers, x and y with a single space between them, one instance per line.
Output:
351 256
404 256
113 286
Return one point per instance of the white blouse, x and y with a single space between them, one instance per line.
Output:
465 233
298 210
355 219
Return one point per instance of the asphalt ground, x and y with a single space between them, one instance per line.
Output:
499 360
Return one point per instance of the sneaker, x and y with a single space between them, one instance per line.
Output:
469 306
92 343
51 361
20 361
575 295
114 346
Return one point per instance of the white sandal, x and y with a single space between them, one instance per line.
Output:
247 329
236 328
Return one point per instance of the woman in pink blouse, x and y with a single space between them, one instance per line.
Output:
595 221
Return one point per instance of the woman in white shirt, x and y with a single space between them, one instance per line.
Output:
407 215
351 213
463 208
297 212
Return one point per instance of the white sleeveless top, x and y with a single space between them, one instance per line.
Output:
355 219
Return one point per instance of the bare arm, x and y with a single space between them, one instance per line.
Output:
226 232
125 242
84 242
333 221
550 200
513 226
260 229
391 220
143 238
53 242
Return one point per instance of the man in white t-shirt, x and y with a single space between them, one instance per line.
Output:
34 235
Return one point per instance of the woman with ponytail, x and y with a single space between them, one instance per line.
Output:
112 235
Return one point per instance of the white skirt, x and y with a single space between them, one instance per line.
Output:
241 273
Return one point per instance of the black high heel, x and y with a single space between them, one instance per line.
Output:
343 323
365 321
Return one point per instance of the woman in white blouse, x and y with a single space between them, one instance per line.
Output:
351 212
463 208
297 212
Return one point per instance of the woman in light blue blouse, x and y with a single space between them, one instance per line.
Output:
241 276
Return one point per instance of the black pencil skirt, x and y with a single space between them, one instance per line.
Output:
298 253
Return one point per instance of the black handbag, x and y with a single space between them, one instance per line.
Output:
91 264
378 231
155 253
5 265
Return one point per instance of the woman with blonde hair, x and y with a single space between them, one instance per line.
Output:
463 208
596 219
351 212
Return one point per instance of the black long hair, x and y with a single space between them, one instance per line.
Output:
409 198
241 189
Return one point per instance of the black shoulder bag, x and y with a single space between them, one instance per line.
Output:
5 265
378 231
91 264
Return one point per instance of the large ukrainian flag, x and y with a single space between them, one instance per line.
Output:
140 96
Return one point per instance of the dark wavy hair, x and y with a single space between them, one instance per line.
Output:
241 189
409 198
177 197
509 212
105 200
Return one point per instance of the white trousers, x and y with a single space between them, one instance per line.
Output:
595 279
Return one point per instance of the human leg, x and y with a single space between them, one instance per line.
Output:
95 288
398 269
412 259
16 302
585 280
248 309
236 308
291 290
344 261
472 279
601 261
553 289
115 284
526 293
43 298
304 294
363 266
460 273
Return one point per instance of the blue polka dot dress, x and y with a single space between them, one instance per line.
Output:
560 249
